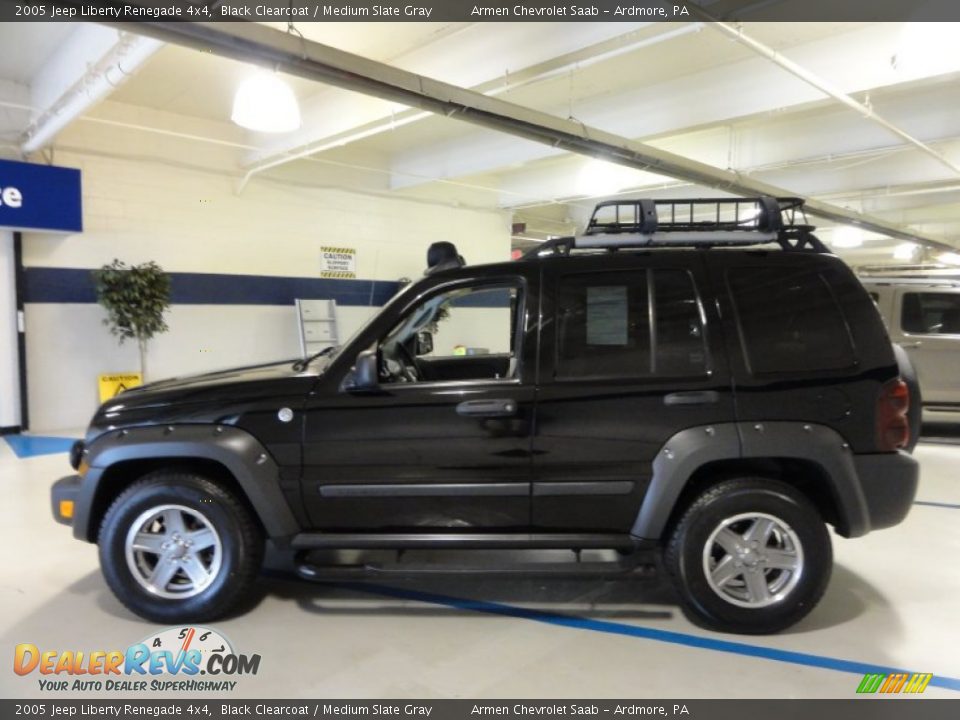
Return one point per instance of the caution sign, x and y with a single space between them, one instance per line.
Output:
338 262
113 385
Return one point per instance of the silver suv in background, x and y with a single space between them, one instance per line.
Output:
923 316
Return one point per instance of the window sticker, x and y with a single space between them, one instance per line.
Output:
607 316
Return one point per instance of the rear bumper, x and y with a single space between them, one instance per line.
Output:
63 498
889 484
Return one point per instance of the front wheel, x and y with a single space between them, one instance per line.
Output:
176 547
750 555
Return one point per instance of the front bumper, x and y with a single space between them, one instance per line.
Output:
889 484
63 498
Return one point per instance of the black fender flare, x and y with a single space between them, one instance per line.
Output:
254 469
689 450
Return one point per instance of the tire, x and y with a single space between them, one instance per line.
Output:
176 547
732 598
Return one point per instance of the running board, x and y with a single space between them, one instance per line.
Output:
526 570
466 541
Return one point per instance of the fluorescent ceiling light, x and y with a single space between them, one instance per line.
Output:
598 177
950 258
845 236
905 251
265 103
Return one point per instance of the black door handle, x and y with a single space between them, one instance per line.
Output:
487 408
701 397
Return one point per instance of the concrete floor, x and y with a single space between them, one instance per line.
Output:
893 602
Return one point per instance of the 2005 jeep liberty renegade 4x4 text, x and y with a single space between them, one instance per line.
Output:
663 382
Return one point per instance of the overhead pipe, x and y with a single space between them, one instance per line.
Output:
250 42
97 82
536 73
737 33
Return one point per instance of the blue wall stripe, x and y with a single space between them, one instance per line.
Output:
937 504
72 285
677 638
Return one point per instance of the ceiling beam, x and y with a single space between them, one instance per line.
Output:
722 94
249 42
579 53
827 88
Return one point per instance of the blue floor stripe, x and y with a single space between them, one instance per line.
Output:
638 631
930 503
26 446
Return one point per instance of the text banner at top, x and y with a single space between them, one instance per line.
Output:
478 11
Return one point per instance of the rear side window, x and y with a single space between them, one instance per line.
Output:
931 313
789 321
607 325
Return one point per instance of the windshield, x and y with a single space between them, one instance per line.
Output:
405 292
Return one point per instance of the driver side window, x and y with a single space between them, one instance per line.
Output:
468 333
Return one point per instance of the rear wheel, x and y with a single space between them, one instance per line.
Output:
750 555
176 547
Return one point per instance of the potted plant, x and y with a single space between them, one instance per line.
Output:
135 298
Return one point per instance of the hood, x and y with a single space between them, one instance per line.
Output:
183 387
217 397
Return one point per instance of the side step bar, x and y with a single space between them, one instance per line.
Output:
610 570
471 541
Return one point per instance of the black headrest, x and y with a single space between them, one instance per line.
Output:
443 256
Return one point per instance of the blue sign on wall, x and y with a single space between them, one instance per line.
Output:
40 197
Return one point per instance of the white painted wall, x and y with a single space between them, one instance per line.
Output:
188 220
9 364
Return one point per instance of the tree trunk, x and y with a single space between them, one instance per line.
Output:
142 342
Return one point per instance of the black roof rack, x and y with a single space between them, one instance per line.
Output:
706 222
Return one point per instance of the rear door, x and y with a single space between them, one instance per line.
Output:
629 357
927 325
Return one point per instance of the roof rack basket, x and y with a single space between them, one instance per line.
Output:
706 222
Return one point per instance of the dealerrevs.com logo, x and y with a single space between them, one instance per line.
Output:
172 660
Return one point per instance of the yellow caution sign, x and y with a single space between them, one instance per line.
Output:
113 385
338 262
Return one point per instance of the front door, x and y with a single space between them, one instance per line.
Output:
444 442
627 361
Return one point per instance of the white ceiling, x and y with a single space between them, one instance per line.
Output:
684 88
25 47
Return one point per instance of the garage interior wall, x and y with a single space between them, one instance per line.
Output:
237 261
9 363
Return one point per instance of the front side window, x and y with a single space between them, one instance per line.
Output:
635 324
467 333
929 313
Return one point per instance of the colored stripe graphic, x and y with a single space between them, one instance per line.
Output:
894 683
638 631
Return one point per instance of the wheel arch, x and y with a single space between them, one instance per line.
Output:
813 458
226 455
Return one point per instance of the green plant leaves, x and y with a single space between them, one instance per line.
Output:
135 298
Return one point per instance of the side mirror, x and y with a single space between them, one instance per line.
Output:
424 342
363 377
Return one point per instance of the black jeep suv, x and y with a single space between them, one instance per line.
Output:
700 377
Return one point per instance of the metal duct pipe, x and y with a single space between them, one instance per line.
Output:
542 71
250 42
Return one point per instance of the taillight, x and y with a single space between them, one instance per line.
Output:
893 428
